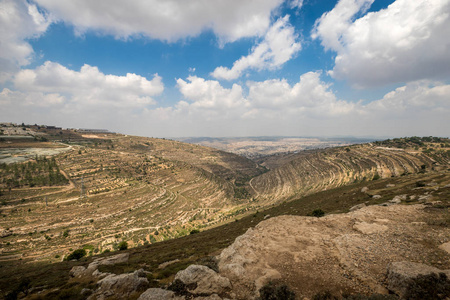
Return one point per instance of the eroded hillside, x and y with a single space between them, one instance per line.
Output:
303 173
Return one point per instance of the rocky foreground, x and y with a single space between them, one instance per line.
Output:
375 249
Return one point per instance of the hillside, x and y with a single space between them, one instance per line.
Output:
162 260
114 188
295 175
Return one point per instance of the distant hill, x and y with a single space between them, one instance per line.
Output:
294 175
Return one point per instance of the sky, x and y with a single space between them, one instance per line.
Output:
178 68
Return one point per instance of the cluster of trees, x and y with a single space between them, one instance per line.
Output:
41 172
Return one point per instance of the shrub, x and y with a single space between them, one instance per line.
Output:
317 213
66 233
194 231
123 245
77 254
272 291
326 295
376 176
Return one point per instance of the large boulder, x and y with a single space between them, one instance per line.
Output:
400 275
201 280
121 286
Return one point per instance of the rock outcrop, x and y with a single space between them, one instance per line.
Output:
201 280
92 269
400 275
346 253
121 286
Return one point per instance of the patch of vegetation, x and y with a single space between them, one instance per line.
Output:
317 213
272 291
122 245
76 254
41 172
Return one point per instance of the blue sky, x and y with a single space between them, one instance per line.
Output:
228 68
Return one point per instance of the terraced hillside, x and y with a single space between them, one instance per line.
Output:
121 188
307 172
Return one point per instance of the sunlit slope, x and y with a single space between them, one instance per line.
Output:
136 189
304 173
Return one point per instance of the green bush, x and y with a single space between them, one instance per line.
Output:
194 231
77 254
123 245
272 291
317 213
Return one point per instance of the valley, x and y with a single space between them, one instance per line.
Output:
103 190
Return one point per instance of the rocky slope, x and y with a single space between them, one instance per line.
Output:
346 253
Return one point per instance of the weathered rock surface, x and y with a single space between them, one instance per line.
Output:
159 294
201 280
358 206
345 253
92 269
445 247
401 274
121 286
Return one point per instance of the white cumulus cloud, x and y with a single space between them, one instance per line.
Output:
167 20
89 86
19 20
279 45
407 41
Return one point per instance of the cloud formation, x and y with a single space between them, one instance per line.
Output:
167 20
19 21
405 42
279 45
88 87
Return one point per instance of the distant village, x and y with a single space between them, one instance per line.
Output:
21 129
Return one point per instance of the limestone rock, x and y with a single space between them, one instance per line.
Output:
445 247
364 189
400 274
369 228
376 196
110 260
358 206
77 271
205 280
121 286
159 294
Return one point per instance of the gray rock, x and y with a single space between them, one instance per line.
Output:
376 196
85 292
158 294
204 280
100 275
358 206
121 286
396 200
390 185
77 271
364 189
400 274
